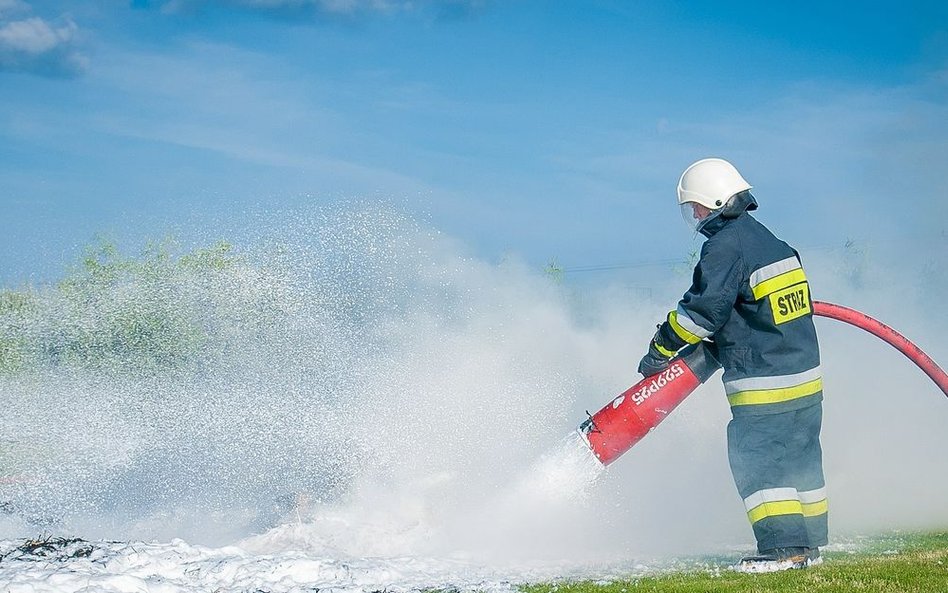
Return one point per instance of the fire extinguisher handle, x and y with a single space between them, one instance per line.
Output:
700 360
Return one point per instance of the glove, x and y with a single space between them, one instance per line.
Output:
655 361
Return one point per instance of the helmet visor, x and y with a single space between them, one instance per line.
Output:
691 215
696 215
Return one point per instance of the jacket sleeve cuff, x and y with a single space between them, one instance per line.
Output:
668 339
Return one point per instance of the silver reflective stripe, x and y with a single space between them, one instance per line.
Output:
775 382
685 321
775 269
769 495
811 496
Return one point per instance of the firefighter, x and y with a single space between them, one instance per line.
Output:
750 301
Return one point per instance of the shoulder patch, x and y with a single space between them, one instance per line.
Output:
790 303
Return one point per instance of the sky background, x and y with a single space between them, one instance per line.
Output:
542 129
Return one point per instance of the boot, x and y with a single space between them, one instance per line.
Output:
813 558
776 560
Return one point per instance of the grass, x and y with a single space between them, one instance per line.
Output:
913 563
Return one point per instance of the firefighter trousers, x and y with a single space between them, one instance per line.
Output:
777 465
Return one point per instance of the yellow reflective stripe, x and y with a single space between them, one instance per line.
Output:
663 350
774 284
773 396
774 382
684 334
812 509
773 509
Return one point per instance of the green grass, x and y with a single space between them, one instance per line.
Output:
914 563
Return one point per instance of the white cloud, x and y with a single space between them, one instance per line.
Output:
33 44
34 36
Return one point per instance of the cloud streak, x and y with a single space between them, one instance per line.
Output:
34 45
334 8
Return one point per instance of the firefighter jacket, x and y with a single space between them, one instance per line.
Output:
750 296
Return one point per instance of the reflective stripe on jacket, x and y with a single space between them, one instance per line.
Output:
750 295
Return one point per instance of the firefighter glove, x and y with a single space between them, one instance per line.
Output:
656 360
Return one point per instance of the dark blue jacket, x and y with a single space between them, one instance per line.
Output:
750 296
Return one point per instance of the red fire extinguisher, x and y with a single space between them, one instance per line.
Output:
625 420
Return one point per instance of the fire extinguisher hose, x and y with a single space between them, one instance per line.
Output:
886 333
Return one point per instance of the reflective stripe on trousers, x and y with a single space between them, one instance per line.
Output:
773 502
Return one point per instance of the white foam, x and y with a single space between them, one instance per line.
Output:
343 548
179 567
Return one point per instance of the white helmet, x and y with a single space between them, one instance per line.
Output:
710 183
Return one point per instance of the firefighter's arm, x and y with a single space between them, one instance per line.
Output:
707 305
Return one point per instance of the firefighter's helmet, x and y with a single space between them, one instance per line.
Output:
709 183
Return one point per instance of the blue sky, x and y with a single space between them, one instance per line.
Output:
547 129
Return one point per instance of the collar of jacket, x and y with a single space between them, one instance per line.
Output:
739 204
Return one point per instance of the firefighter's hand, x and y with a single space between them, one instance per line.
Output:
653 362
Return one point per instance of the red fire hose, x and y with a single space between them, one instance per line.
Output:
883 331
